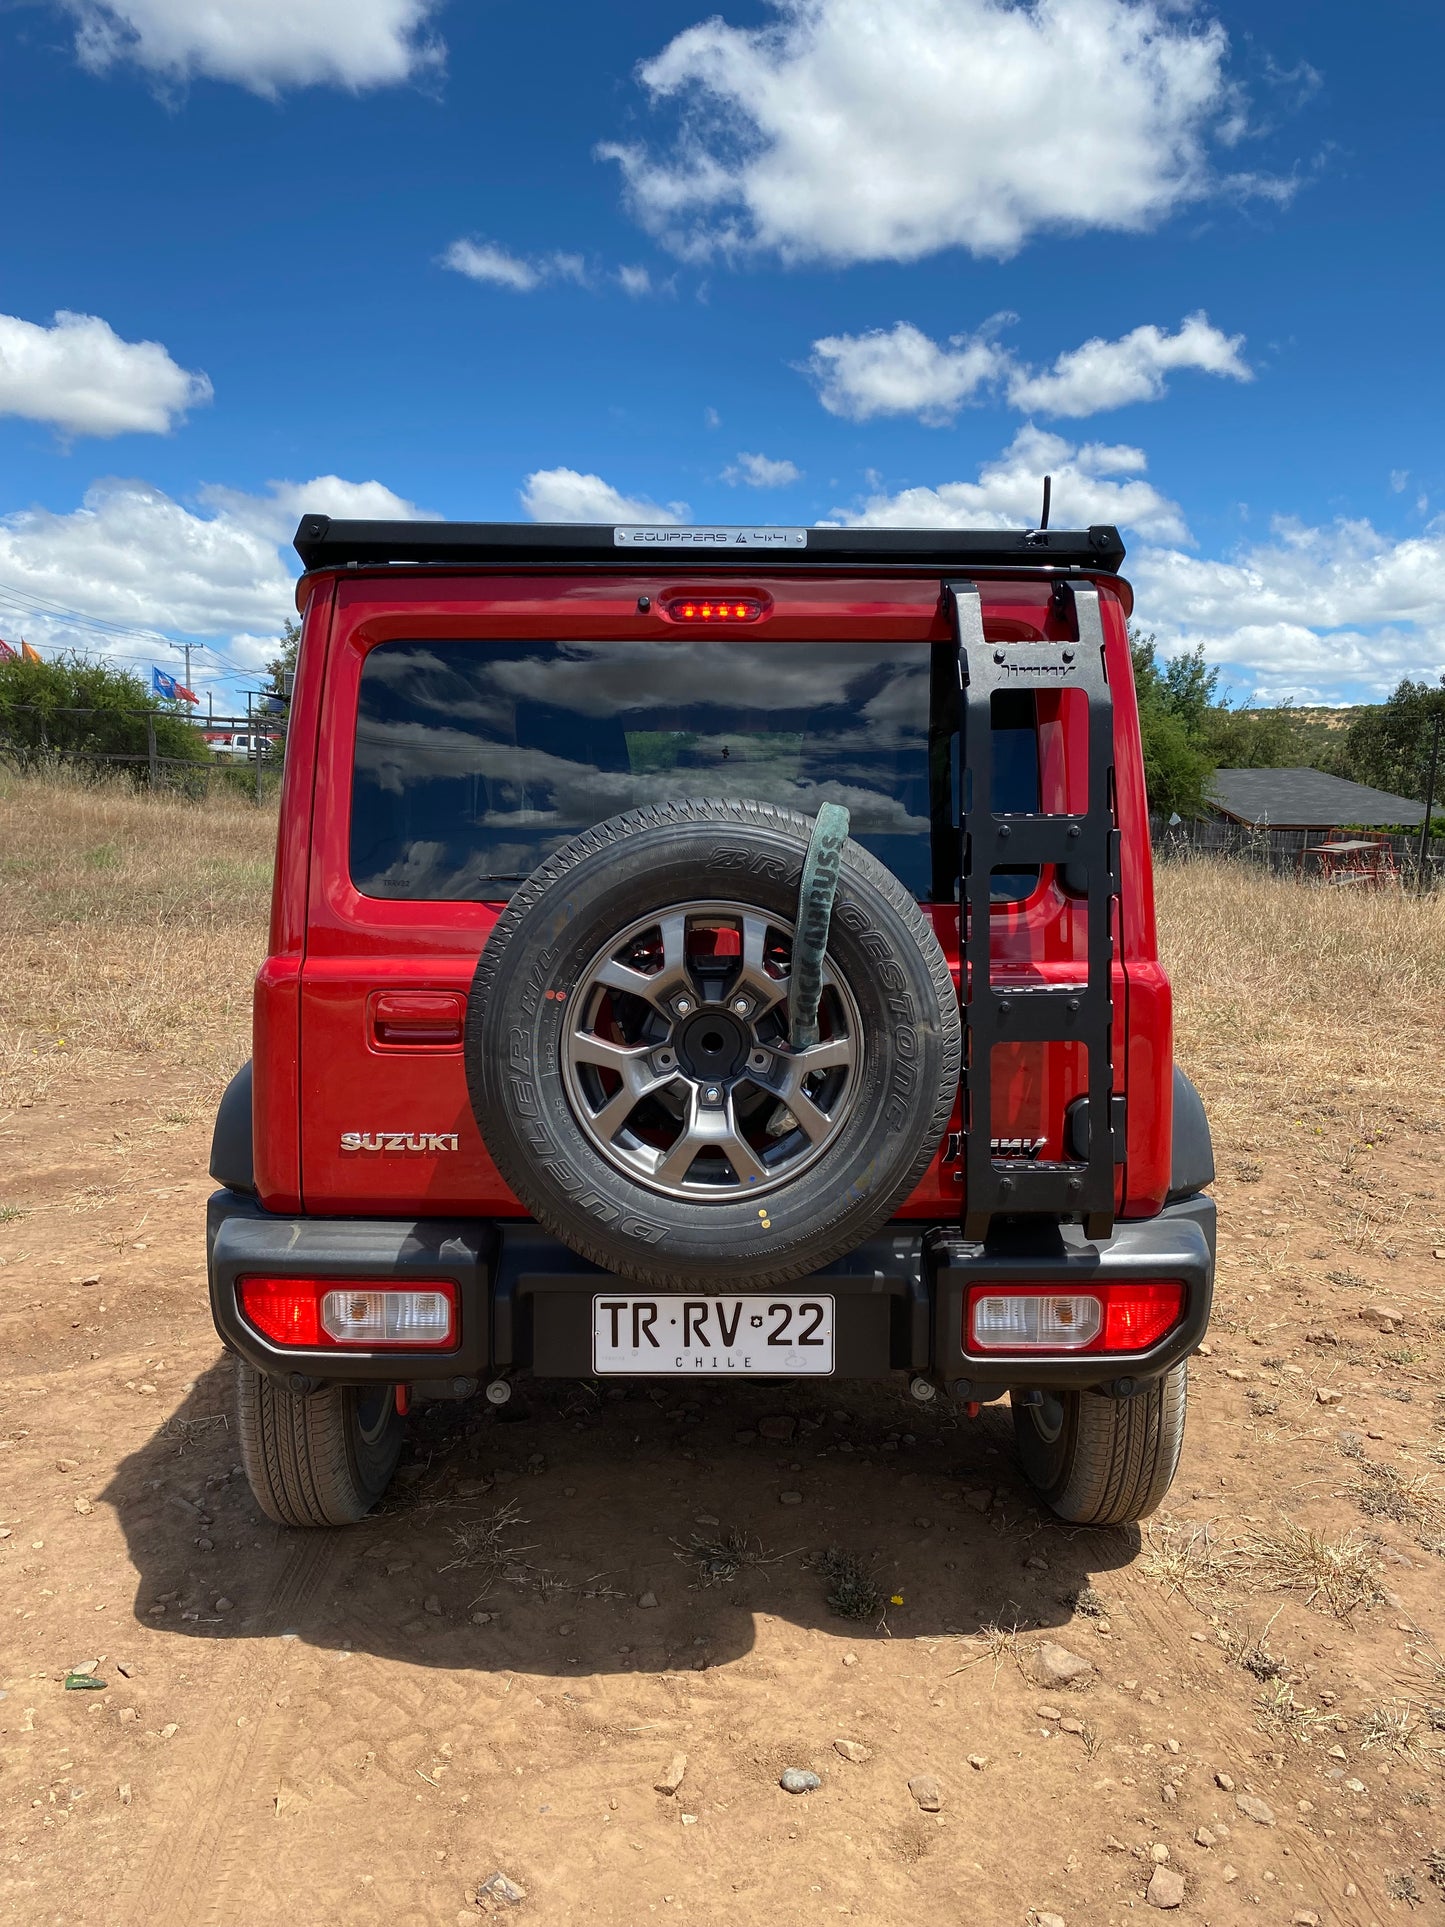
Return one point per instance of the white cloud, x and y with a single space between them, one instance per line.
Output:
634 281
1399 480
133 558
80 376
1009 493
483 261
1310 614
883 130
565 495
760 471
266 45
900 371
1108 374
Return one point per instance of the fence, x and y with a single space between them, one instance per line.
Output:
1285 852
255 772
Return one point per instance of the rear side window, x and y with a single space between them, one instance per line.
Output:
474 760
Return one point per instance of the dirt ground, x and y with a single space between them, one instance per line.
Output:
560 1600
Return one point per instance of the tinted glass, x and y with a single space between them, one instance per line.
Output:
474 760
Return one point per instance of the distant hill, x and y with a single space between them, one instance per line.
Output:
1315 730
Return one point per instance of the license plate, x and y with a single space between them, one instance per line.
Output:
773 1336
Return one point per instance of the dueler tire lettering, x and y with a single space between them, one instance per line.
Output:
599 885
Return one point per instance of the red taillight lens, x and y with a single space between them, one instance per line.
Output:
1138 1316
1043 1318
361 1313
283 1310
714 609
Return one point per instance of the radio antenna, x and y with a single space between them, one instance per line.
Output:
1048 491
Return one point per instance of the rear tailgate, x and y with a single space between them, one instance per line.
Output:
385 1120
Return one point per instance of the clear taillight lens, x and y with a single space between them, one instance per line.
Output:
353 1317
1055 1322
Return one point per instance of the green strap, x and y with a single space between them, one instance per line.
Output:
815 913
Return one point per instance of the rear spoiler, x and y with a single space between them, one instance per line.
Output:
326 544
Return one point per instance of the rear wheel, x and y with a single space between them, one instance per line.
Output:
322 1459
1100 1461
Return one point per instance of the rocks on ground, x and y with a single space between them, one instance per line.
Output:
671 1778
498 1887
853 1750
927 1792
1166 1888
1055 1665
1253 1808
780 1428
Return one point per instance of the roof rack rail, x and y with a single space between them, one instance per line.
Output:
326 544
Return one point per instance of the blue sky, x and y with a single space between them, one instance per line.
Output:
821 260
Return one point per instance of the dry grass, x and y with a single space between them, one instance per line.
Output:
131 926
484 1548
1291 996
1185 1559
1401 1727
1340 1575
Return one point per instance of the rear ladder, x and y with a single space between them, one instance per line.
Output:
1088 846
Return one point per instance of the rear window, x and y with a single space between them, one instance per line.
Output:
475 760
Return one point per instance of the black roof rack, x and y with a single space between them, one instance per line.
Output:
326 544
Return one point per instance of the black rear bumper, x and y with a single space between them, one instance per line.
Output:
525 1300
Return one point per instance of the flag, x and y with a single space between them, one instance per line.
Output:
7 654
186 695
164 685
30 655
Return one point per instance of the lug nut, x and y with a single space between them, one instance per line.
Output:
712 1094
741 1006
683 1006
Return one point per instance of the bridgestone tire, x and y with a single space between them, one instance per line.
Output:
880 946
1111 1460
318 1460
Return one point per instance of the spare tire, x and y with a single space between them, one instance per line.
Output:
628 1057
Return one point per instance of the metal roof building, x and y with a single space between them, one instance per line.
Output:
1307 799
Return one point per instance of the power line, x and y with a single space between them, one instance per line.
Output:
36 605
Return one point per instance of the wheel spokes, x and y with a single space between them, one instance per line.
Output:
712 1133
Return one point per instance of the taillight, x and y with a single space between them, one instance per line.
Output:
714 609
358 1313
1041 1318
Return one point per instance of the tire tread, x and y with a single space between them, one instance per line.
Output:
297 1452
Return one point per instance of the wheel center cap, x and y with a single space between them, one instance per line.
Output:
712 1046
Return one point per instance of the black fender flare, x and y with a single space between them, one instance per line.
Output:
233 1157
1191 1164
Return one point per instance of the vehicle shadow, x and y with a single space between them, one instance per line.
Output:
627 1529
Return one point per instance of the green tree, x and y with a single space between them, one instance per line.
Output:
1177 767
73 710
1388 744
282 666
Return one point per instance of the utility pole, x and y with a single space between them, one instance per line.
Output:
1422 867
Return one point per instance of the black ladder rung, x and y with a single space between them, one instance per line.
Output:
1087 844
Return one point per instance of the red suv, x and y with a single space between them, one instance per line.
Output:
701 952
